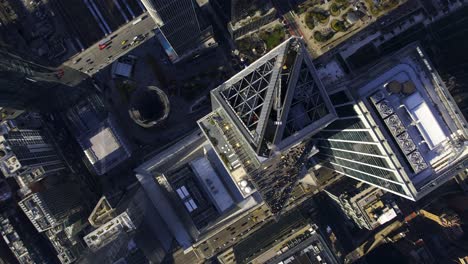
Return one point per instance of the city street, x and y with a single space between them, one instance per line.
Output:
285 9
93 59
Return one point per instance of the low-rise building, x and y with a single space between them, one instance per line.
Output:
123 67
367 206
292 239
243 17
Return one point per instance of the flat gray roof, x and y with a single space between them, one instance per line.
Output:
212 184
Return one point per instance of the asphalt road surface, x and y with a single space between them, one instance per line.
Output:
285 9
93 59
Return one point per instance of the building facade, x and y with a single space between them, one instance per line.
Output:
181 29
51 207
25 84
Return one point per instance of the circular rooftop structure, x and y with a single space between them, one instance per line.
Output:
394 86
149 106
408 87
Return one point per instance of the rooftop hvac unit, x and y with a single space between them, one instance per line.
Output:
384 108
377 97
243 183
406 143
394 124
417 161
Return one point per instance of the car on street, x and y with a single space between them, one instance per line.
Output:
104 43
138 39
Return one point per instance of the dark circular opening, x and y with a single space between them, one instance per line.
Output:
149 106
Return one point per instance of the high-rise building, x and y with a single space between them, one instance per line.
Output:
51 207
180 27
263 118
244 16
204 208
365 205
129 226
398 128
25 84
58 213
98 134
28 155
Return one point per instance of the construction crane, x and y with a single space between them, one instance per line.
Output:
445 220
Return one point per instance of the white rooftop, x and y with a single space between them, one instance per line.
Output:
426 121
423 123
387 216
104 143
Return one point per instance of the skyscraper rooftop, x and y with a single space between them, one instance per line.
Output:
398 128
192 192
103 144
263 116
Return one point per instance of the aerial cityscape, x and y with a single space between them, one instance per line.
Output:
233 131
